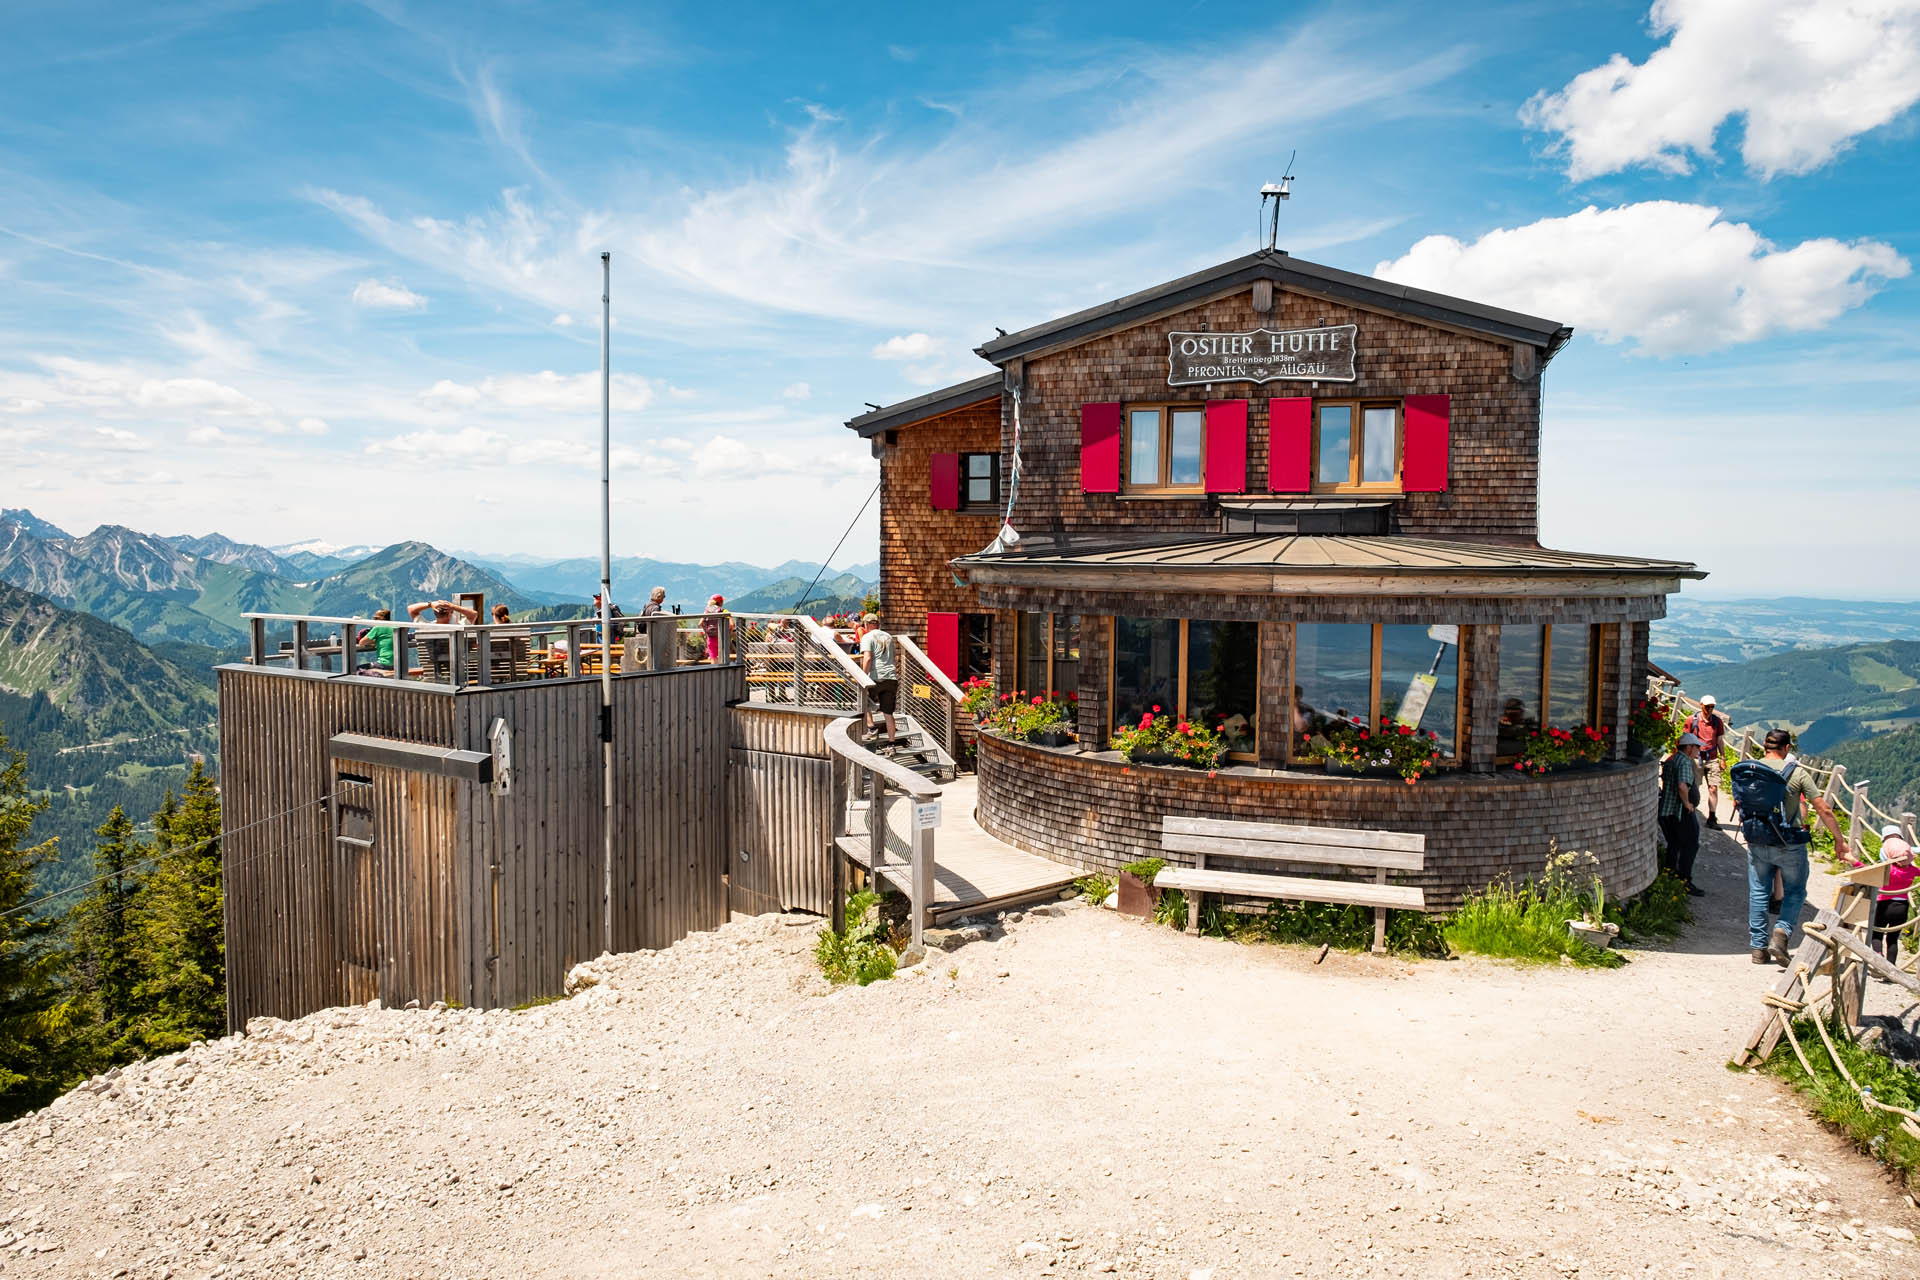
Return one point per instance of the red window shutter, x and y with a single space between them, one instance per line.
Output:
1224 468
945 481
943 642
1290 444
1423 465
1100 448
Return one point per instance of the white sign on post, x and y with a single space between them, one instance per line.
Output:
926 814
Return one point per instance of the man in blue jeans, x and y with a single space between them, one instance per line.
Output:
1789 859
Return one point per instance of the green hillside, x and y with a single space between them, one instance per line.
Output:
841 593
1891 762
104 720
1828 695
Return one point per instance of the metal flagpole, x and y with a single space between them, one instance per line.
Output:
606 590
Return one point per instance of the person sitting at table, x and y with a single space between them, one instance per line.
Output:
656 603
446 614
380 640
500 614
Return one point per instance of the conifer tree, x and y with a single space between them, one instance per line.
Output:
105 946
182 949
37 1042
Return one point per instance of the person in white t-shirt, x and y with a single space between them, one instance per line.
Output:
877 660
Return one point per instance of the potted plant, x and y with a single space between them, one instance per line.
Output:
1025 717
976 698
1137 894
1386 750
1163 739
1595 930
1551 750
1652 730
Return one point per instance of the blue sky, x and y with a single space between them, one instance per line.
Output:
331 270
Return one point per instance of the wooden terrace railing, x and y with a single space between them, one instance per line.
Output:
795 660
861 775
489 653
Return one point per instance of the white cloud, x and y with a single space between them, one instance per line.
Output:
725 458
796 391
908 346
122 441
206 433
386 295
311 426
198 395
1672 278
21 404
1808 76
546 390
563 321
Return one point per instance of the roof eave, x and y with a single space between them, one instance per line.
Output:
931 405
1286 272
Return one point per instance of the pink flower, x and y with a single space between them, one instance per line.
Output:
1037 699
1156 706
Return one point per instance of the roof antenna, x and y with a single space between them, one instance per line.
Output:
1277 191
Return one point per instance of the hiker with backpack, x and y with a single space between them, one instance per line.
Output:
1708 725
1769 794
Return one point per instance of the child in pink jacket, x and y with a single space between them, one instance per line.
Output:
1891 909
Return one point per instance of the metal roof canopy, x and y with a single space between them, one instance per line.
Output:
1279 563
1286 272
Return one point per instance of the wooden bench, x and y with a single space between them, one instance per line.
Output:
1375 851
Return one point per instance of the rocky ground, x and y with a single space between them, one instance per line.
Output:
1073 1093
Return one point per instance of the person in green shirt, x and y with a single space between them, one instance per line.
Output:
1789 860
380 640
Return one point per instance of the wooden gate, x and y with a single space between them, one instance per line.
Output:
778 778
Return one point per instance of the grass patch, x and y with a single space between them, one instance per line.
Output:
534 1003
1528 924
1659 914
1095 888
861 954
1878 1133
1169 908
1145 869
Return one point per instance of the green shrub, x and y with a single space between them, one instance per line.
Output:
1661 912
1145 869
859 955
1528 923
1095 888
1875 1132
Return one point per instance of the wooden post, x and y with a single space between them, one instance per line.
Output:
800 643
257 641
1853 819
876 826
922 877
1906 826
349 648
457 658
1834 781
837 827
402 641
573 649
1380 917
483 653
300 645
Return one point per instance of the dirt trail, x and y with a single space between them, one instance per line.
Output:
1074 1094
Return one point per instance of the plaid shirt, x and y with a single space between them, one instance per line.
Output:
1675 777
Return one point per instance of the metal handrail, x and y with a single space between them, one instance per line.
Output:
852 763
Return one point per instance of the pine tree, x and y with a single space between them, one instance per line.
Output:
38 1047
104 943
182 950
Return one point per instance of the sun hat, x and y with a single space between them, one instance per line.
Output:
1688 740
1708 701
1891 829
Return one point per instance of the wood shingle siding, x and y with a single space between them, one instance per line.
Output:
916 539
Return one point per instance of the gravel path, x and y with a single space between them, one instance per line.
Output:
1075 1093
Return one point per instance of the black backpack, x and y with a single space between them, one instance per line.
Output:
1760 794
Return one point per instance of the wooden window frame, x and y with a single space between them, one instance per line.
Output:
1053 653
992 501
1448 759
1357 448
1180 682
1166 410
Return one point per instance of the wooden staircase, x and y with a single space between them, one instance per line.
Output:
914 748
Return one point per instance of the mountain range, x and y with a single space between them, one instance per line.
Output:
197 589
687 584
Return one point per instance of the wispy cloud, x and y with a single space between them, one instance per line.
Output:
387 295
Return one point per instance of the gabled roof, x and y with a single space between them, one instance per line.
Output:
1294 275
931 405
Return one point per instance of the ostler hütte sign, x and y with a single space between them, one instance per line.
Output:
1263 355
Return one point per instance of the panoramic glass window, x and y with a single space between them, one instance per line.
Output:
1570 678
1184 429
1146 667
1420 681
1334 456
1522 649
1032 676
1143 447
1066 654
1223 680
1332 674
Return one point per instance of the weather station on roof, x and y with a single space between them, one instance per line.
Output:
1277 559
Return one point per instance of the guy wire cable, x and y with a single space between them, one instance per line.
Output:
836 549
